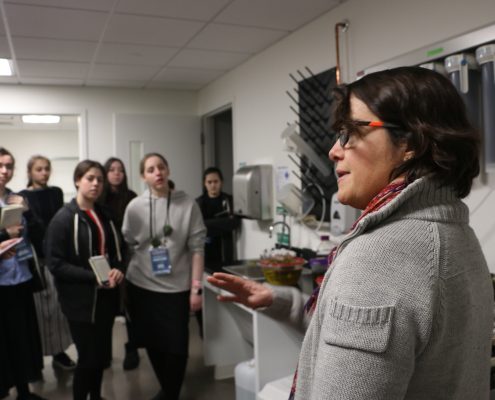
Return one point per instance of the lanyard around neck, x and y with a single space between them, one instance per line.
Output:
151 213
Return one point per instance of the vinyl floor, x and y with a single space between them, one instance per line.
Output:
139 384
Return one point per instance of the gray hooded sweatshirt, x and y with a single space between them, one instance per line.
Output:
187 238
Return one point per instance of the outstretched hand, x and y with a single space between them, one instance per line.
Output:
250 293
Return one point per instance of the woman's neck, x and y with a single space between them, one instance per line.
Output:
84 203
159 193
35 185
114 189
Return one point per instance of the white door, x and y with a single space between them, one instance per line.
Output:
177 138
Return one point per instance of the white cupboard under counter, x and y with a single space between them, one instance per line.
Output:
234 333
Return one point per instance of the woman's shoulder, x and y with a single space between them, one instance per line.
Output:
64 214
227 196
56 194
51 191
54 189
126 195
27 194
408 237
185 203
180 196
137 202
139 197
397 254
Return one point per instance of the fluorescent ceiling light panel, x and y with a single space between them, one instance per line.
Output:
5 67
41 119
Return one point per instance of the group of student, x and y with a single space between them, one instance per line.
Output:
157 240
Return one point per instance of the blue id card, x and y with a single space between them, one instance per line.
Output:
23 251
160 261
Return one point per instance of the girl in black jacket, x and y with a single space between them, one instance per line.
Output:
79 231
116 196
217 210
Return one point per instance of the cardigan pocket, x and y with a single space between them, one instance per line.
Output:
361 328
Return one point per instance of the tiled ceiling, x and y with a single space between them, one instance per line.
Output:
174 44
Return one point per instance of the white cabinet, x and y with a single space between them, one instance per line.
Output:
234 333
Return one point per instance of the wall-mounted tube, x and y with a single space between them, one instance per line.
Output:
464 73
344 25
485 55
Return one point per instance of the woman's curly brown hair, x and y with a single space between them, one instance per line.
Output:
432 119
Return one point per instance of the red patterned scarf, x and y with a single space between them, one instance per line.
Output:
385 196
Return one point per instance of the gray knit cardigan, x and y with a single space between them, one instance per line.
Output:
404 312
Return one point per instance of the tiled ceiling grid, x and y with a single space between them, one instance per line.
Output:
172 44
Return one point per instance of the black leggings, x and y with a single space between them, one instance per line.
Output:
94 347
87 381
170 370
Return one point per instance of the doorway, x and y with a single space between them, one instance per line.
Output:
218 144
175 137
59 141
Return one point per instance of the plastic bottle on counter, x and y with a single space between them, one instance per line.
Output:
319 264
324 247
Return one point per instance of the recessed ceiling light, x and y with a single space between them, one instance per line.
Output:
5 67
41 119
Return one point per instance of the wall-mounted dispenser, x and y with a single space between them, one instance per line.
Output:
485 55
464 74
253 188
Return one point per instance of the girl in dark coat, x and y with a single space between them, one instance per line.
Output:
78 232
44 201
217 210
116 196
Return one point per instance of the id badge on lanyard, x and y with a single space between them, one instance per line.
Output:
23 251
160 261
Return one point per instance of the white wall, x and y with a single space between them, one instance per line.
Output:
58 145
97 107
176 137
379 30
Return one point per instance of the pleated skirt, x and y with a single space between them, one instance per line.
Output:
54 328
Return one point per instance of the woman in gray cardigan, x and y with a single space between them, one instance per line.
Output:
405 308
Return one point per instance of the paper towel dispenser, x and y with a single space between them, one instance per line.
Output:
253 187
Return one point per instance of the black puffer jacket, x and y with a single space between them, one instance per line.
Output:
71 239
